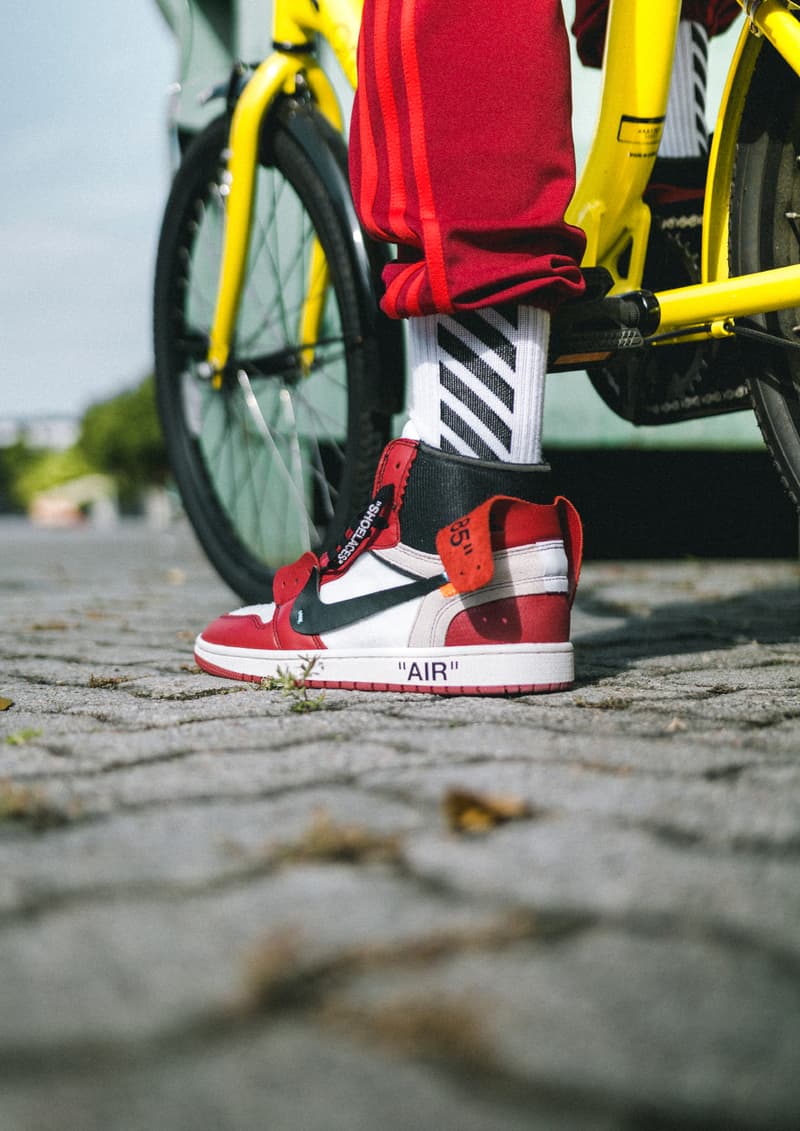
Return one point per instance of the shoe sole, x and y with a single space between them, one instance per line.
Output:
513 669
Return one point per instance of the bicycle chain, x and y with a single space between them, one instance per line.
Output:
672 227
671 223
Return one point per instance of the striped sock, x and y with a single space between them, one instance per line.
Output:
685 128
477 382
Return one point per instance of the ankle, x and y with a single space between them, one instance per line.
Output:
438 487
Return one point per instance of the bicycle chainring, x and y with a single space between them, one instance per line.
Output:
666 384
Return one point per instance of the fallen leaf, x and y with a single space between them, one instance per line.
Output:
273 972
469 812
612 703
31 806
327 840
5 704
442 1028
108 680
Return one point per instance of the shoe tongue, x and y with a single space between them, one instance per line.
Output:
361 532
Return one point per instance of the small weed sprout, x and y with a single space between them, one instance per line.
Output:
20 737
294 687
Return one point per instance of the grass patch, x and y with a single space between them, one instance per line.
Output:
294 687
21 737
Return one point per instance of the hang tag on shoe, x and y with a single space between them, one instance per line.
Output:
465 547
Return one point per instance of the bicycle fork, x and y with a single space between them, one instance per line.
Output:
279 74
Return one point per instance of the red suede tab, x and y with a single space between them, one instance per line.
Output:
290 579
501 523
465 547
573 541
394 468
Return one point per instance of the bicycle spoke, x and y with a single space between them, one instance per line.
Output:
259 458
257 418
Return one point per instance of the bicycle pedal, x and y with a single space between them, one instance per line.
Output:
585 346
593 329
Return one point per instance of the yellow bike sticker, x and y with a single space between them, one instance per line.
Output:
640 131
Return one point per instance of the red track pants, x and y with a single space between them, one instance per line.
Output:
461 147
461 151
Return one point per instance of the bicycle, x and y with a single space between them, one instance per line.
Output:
286 392
276 386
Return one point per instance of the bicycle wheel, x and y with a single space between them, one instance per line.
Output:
278 458
765 233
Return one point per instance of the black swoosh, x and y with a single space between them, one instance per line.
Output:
311 617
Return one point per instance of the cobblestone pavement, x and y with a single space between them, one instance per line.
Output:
387 911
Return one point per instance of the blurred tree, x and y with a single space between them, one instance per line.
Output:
15 460
48 469
122 436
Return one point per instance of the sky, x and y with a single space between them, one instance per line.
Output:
87 159
85 93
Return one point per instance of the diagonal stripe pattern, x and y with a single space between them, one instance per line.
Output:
477 382
700 73
477 357
685 127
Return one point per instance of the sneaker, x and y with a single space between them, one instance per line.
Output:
451 582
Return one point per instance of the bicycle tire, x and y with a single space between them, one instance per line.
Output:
764 234
277 459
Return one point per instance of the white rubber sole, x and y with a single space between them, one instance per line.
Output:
492 670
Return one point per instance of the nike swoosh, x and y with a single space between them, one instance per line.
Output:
312 617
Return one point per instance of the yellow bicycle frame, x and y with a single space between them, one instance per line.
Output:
295 26
608 201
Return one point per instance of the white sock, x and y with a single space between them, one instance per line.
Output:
685 128
477 382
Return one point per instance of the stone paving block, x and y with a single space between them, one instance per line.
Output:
139 966
690 1028
208 775
658 745
187 847
288 1077
576 862
715 811
630 949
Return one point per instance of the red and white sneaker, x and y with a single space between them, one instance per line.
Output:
450 582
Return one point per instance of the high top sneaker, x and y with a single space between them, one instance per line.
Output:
450 582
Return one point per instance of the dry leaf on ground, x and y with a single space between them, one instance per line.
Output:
469 812
326 839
